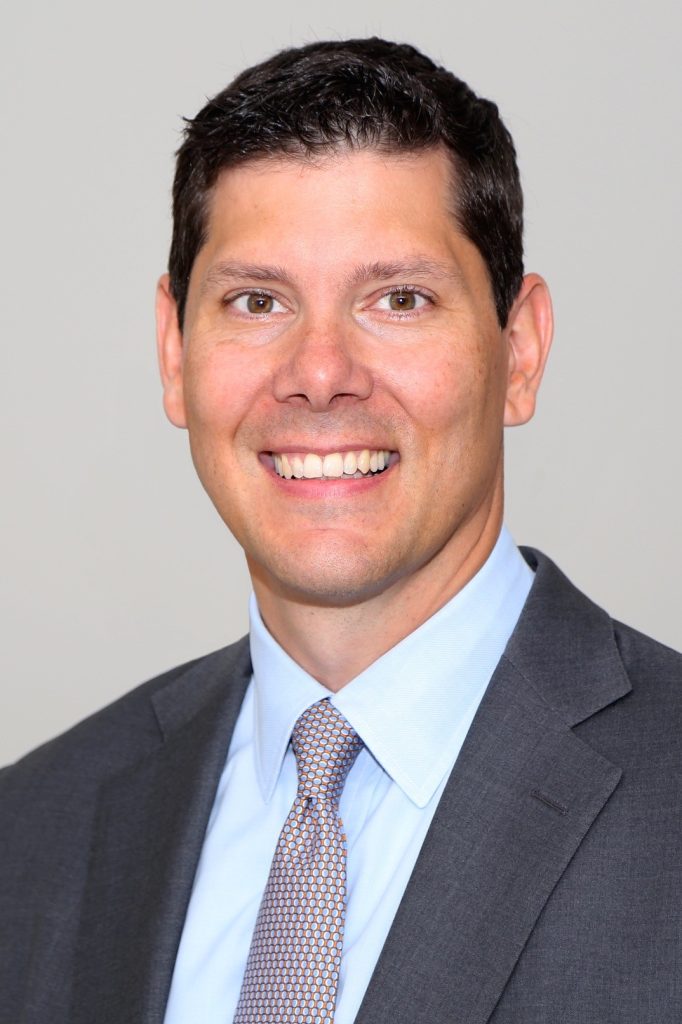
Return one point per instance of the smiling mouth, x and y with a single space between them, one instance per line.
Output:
353 465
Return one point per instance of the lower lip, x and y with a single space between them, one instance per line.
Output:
330 488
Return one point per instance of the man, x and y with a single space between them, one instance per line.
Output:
436 783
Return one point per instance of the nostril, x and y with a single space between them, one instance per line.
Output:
321 376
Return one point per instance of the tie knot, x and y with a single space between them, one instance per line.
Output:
325 746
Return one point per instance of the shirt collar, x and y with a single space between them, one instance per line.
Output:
413 706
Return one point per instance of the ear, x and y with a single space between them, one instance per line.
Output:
529 337
169 350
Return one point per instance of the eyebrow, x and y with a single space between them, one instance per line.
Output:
416 266
221 273
379 270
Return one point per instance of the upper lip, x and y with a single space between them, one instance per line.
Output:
355 446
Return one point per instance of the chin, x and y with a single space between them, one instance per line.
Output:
338 579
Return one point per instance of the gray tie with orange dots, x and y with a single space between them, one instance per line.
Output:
293 967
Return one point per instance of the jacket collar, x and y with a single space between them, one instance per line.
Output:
564 646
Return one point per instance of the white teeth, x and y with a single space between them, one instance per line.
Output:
312 466
350 463
333 466
363 461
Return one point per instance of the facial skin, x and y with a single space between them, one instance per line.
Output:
336 307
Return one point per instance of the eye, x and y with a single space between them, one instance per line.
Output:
255 304
402 300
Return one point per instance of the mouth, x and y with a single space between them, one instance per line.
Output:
347 465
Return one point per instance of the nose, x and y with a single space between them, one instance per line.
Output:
323 369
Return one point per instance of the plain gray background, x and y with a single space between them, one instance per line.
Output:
114 564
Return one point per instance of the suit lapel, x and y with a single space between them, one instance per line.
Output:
522 796
148 838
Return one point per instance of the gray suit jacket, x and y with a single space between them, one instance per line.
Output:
547 890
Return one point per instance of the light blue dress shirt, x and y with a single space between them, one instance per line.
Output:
412 708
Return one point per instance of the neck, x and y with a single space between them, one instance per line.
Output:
334 644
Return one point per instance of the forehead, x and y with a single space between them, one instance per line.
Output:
343 190
346 207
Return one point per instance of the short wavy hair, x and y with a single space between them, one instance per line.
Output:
358 94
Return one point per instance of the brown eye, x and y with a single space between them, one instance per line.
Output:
401 301
256 303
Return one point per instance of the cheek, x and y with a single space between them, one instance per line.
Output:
438 389
221 388
454 399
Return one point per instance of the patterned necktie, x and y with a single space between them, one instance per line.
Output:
293 967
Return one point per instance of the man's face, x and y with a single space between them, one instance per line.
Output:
337 310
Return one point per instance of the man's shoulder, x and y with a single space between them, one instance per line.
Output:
564 603
119 734
55 800
646 657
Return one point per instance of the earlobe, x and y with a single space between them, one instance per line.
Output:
529 337
170 353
